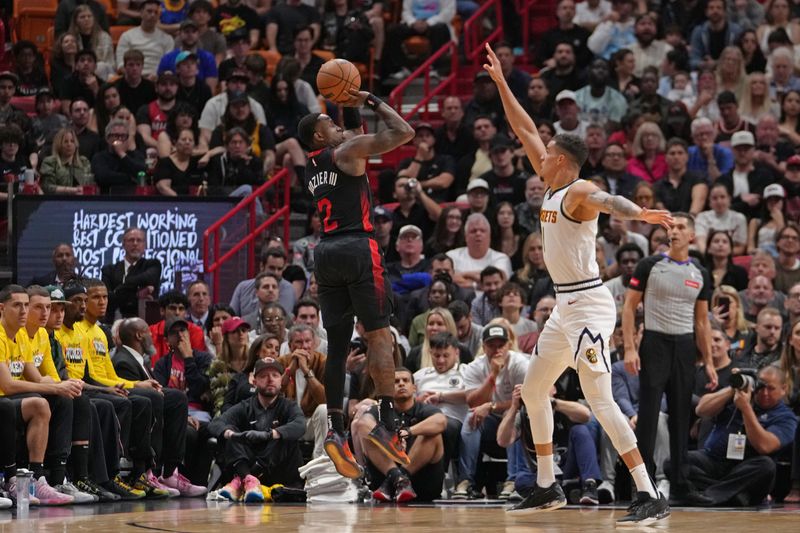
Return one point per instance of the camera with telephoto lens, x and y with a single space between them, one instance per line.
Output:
746 379
411 184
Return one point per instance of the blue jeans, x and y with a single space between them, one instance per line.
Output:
473 441
582 451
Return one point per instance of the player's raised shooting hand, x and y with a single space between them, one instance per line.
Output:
657 216
357 98
493 67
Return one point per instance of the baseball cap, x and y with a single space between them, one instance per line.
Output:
773 190
478 183
175 321
500 141
409 227
382 212
8 75
238 73
183 56
239 34
267 362
56 294
232 324
188 23
424 126
793 161
743 138
166 76
495 331
566 95
73 289
237 97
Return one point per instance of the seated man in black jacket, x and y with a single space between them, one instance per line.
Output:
117 167
261 437
132 279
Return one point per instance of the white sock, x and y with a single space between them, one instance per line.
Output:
643 481
545 473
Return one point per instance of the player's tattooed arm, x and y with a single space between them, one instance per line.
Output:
618 206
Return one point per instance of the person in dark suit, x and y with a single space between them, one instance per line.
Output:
170 407
132 279
64 264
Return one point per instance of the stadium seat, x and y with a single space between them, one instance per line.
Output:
26 103
110 7
271 57
325 55
32 25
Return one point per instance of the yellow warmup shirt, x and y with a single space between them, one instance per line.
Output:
15 353
75 348
42 355
100 367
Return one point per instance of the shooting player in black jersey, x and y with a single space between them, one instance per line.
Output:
349 264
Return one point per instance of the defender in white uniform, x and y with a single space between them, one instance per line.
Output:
579 330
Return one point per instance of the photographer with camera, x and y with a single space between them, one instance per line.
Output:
415 207
751 424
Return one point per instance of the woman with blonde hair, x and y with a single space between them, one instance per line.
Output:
66 171
533 267
790 364
232 358
727 310
90 36
755 101
648 161
439 319
731 73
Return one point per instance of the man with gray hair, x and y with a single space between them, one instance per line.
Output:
527 212
471 259
783 79
705 156
118 167
134 278
305 368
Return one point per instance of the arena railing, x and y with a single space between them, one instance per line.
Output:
276 207
444 84
473 43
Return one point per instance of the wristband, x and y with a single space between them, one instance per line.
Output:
352 118
372 102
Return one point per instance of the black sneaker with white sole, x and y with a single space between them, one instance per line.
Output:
645 510
589 493
541 499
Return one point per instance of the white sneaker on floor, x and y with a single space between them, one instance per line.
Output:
507 491
80 497
462 491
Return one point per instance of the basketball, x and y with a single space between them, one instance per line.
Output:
335 79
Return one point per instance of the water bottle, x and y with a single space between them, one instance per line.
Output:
24 488
141 179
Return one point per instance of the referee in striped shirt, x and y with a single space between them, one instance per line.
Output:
676 291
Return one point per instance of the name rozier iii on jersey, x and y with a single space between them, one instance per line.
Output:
343 201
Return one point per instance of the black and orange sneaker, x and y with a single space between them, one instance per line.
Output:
389 443
338 449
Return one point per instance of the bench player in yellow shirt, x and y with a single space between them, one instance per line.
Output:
44 407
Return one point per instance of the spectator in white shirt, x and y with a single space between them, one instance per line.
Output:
469 260
591 13
721 217
147 38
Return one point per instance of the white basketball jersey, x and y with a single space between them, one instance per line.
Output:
569 245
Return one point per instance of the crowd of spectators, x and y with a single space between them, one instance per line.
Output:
690 107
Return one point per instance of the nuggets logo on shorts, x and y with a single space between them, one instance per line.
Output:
591 355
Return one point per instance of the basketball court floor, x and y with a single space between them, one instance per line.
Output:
198 516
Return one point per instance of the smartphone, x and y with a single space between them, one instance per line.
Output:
724 302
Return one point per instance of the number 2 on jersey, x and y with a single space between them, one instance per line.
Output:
325 207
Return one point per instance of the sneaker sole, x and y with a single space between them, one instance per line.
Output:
542 509
381 497
343 465
589 501
396 456
645 522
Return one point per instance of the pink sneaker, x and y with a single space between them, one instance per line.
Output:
47 495
11 488
178 481
233 490
252 490
153 481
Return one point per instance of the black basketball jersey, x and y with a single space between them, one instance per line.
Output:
344 202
